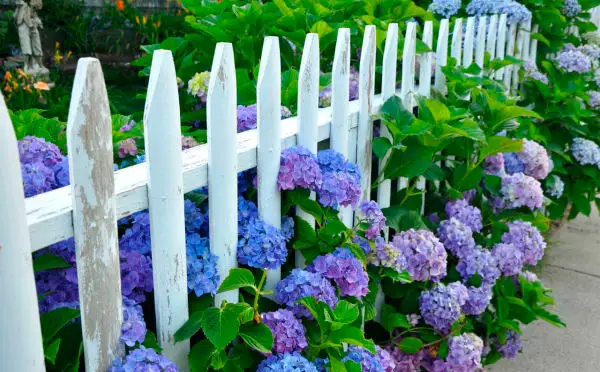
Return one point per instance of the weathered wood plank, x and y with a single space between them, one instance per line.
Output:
408 77
468 43
534 43
162 133
457 41
426 61
441 56
222 165
501 44
480 43
89 141
510 51
21 337
490 44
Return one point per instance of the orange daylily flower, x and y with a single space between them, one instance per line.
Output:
120 5
7 76
41 85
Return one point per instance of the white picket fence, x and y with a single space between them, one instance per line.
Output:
97 197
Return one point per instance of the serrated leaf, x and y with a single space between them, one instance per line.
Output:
496 144
220 326
237 278
345 312
353 336
257 336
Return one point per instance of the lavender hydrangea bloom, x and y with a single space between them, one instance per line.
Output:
43 168
479 261
479 299
574 61
516 13
261 246
288 332
444 8
527 239
509 258
137 237
385 255
133 328
202 274
338 188
456 237
425 255
441 306
136 275
519 190
61 172
571 8
375 218
467 214
247 116
469 195
300 284
464 354
594 100
529 276
38 150
325 95
586 152
289 362
345 270
385 359
494 164
405 362
59 285
143 359
532 160
512 163
299 168
532 72
287 227
511 347
127 126
37 178
483 7
369 362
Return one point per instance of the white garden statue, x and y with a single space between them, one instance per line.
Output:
29 26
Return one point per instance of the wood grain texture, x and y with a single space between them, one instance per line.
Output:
441 56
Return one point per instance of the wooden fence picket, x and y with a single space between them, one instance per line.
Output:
426 61
457 41
268 101
480 42
162 133
408 77
222 165
510 51
468 42
441 56
518 55
490 44
308 110
500 44
533 47
526 40
21 337
89 141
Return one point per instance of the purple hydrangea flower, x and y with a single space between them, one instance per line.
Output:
586 152
338 188
43 167
441 306
509 258
247 116
479 261
326 94
127 127
469 195
385 359
37 178
444 8
465 213
127 147
571 8
519 190
289 362
594 100
574 61
494 164
61 172
529 276
345 270
532 160
300 284
511 347
405 362
479 299
38 150
137 237
133 328
136 275
287 227
261 245
202 274
143 359
59 285
369 362
516 12
532 72
526 238
299 168
456 237
512 163
464 354
288 331
375 218
385 255
425 255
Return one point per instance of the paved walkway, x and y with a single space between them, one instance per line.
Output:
572 269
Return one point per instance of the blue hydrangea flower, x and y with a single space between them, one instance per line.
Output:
425 255
247 116
441 305
289 362
518 190
299 168
338 188
287 227
368 361
261 246
532 72
509 258
247 211
456 237
345 270
300 284
43 167
574 61
143 359
479 261
515 12
374 218
288 331
512 163
511 347
479 299
384 254
483 7
586 152
571 8
136 275
526 238
444 8
594 100
532 160
467 214
202 274
322 364
133 328
464 354
195 220
137 237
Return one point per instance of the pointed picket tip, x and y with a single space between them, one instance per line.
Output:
341 58
162 88
270 63
222 73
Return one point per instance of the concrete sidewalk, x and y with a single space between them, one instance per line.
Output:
572 269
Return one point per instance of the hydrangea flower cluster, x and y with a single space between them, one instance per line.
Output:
456 237
198 85
441 306
586 152
261 245
247 116
300 284
288 331
369 362
574 61
137 237
571 8
43 167
532 160
188 142
494 164
516 12
519 190
425 255
133 328
375 218
345 270
464 354
511 347
299 168
59 286
127 147
444 8
532 72
509 258
202 274
527 239
594 100
326 94
341 180
479 261
405 362
479 299
529 276
289 362
469 215
143 359
136 275
385 255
